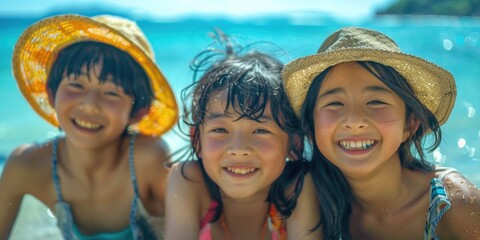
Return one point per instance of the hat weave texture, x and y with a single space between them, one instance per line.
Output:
434 86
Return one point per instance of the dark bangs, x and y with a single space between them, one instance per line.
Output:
119 65
251 85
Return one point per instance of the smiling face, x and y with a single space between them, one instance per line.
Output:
242 156
359 122
91 112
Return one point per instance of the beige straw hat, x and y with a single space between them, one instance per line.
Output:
433 85
39 45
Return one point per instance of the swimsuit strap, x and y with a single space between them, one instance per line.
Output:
63 212
276 223
439 202
209 215
133 175
137 233
56 179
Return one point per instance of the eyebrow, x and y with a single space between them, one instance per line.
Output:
379 89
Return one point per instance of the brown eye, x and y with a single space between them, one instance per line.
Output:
111 93
261 131
376 102
75 85
219 130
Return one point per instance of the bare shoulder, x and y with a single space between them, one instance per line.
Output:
151 155
459 189
19 177
148 147
188 171
306 214
186 179
30 158
462 220
28 169
187 200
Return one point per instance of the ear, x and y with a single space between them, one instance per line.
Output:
139 115
295 146
411 126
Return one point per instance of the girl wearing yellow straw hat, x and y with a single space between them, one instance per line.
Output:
366 107
96 79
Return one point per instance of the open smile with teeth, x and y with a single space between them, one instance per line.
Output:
241 171
86 124
357 145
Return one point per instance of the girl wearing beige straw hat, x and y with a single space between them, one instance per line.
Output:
96 79
366 108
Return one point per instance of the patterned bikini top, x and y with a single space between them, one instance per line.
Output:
439 203
274 222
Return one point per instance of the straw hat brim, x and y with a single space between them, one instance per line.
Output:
39 45
433 85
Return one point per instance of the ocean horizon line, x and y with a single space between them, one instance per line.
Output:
300 18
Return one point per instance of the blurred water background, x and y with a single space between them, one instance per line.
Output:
451 42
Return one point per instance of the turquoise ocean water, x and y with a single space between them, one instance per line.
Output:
453 43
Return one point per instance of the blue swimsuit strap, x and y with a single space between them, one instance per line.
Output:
133 174
134 209
56 179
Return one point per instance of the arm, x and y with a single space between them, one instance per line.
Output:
306 214
151 154
462 220
12 182
183 202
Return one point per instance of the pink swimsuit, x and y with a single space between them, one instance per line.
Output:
275 224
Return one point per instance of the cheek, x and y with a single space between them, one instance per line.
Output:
273 151
325 120
121 108
63 99
210 154
325 123
210 146
279 169
385 116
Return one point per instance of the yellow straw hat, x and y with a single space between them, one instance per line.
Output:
433 85
39 45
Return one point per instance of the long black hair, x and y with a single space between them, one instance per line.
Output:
329 179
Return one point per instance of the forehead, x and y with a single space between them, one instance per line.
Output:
352 74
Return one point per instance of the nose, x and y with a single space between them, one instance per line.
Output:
90 102
355 119
239 146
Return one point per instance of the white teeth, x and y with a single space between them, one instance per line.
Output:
357 145
88 125
241 171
